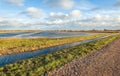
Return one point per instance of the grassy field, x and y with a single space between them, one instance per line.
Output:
17 45
45 63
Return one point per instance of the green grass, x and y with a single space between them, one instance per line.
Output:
17 45
45 63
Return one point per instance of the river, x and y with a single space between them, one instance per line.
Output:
7 59
42 34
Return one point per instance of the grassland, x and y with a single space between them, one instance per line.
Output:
17 45
45 63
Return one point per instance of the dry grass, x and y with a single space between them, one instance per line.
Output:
17 45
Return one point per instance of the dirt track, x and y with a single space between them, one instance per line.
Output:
104 62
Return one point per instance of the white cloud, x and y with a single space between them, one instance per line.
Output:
58 15
34 12
16 2
105 21
64 4
12 23
118 19
99 17
109 12
74 19
99 21
76 14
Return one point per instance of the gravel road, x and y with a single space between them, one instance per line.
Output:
104 62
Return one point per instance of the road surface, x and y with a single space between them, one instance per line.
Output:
104 62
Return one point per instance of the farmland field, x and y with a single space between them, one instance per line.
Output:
18 45
44 64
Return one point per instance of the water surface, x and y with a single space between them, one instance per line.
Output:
42 34
7 59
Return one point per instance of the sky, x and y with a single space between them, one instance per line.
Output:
59 14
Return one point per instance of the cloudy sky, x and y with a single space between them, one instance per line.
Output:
59 14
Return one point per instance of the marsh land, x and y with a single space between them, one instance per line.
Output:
68 61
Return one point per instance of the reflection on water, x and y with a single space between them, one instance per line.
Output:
59 34
9 35
42 34
7 59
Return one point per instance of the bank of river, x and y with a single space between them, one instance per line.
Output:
17 45
42 64
7 59
103 62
